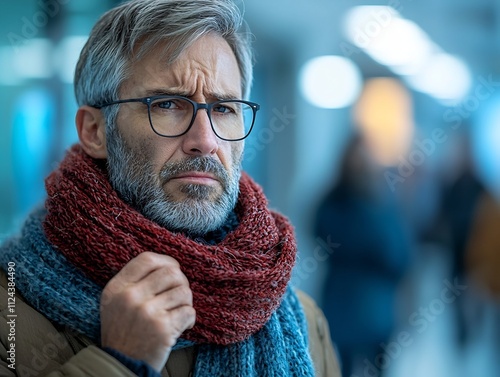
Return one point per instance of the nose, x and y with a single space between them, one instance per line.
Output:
200 140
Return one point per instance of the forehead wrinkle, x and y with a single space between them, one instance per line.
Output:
200 82
196 71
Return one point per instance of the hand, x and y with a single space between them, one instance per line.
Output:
145 308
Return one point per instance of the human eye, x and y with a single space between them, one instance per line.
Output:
170 104
224 108
165 104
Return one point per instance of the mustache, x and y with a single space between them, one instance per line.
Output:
200 164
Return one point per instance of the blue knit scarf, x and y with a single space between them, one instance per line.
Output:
64 295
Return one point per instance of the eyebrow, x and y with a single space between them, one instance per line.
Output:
170 92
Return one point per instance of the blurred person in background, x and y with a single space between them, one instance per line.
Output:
482 251
154 253
461 196
359 293
482 271
469 223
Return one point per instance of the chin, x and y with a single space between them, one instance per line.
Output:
194 192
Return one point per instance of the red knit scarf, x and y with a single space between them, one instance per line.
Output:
236 284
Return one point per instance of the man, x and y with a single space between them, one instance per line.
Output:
154 254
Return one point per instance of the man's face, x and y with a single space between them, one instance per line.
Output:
189 182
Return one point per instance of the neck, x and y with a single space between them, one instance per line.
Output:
216 236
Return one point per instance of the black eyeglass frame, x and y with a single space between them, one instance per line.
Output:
196 106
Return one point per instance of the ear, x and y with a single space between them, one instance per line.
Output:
91 127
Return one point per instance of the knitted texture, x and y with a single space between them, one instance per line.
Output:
49 283
68 298
236 284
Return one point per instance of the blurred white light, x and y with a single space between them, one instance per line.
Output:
444 77
403 46
387 38
362 24
66 56
407 50
33 60
330 82
8 75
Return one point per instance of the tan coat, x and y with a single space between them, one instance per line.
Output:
43 349
482 256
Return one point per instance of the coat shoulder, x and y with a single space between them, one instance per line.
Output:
41 348
326 363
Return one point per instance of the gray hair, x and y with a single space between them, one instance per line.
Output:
128 32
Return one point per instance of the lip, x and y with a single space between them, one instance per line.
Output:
196 177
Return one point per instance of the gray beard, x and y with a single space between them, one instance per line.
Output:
132 176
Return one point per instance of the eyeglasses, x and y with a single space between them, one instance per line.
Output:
173 116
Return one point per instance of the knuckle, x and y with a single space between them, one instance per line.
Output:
190 315
147 312
175 275
171 339
186 293
116 287
110 289
167 328
147 257
191 312
130 297
154 259
105 299
175 321
171 261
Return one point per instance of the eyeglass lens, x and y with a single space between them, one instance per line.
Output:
231 120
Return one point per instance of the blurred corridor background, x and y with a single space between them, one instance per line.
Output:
378 135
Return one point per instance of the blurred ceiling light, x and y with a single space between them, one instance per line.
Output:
33 60
39 59
402 46
444 77
407 50
384 116
330 82
364 23
67 55
7 74
387 38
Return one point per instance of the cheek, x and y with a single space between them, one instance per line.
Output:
235 151
146 146
142 146
158 151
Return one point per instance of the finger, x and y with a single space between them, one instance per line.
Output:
162 279
181 318
142 265
173 298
